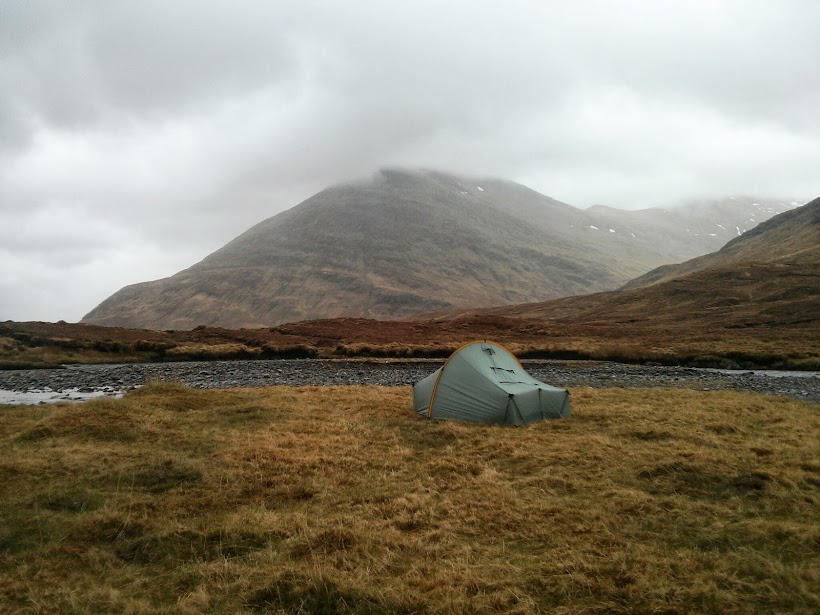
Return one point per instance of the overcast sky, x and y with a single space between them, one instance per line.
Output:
136 136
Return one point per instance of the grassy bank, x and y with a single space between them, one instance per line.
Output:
50 345
340 499
47 358
43 345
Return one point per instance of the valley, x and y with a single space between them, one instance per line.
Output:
406 308
232 452
753 303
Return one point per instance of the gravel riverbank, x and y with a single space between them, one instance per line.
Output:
79 382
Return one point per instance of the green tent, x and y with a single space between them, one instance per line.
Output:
484 382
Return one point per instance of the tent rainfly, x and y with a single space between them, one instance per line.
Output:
485 383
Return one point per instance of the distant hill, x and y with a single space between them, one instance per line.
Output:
769 276
409 242
693 228
791 237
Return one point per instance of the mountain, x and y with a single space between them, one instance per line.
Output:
409 242
767 277
792 237
693 228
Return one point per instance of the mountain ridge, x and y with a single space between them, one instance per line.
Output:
405 242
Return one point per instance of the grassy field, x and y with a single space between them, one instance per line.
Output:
341 500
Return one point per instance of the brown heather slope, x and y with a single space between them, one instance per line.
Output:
684 340
411 242
742 295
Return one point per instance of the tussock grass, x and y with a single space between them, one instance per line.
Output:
49 357
341 500
395 350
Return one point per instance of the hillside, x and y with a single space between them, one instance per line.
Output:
410 242
791 237
769 276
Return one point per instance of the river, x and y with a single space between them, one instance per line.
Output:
81 382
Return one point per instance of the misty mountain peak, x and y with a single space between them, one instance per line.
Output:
409 241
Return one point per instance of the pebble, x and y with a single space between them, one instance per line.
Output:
94 380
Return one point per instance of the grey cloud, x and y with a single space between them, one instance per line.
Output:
161 56
136 137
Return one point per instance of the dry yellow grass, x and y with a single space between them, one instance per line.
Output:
205 352
341 500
